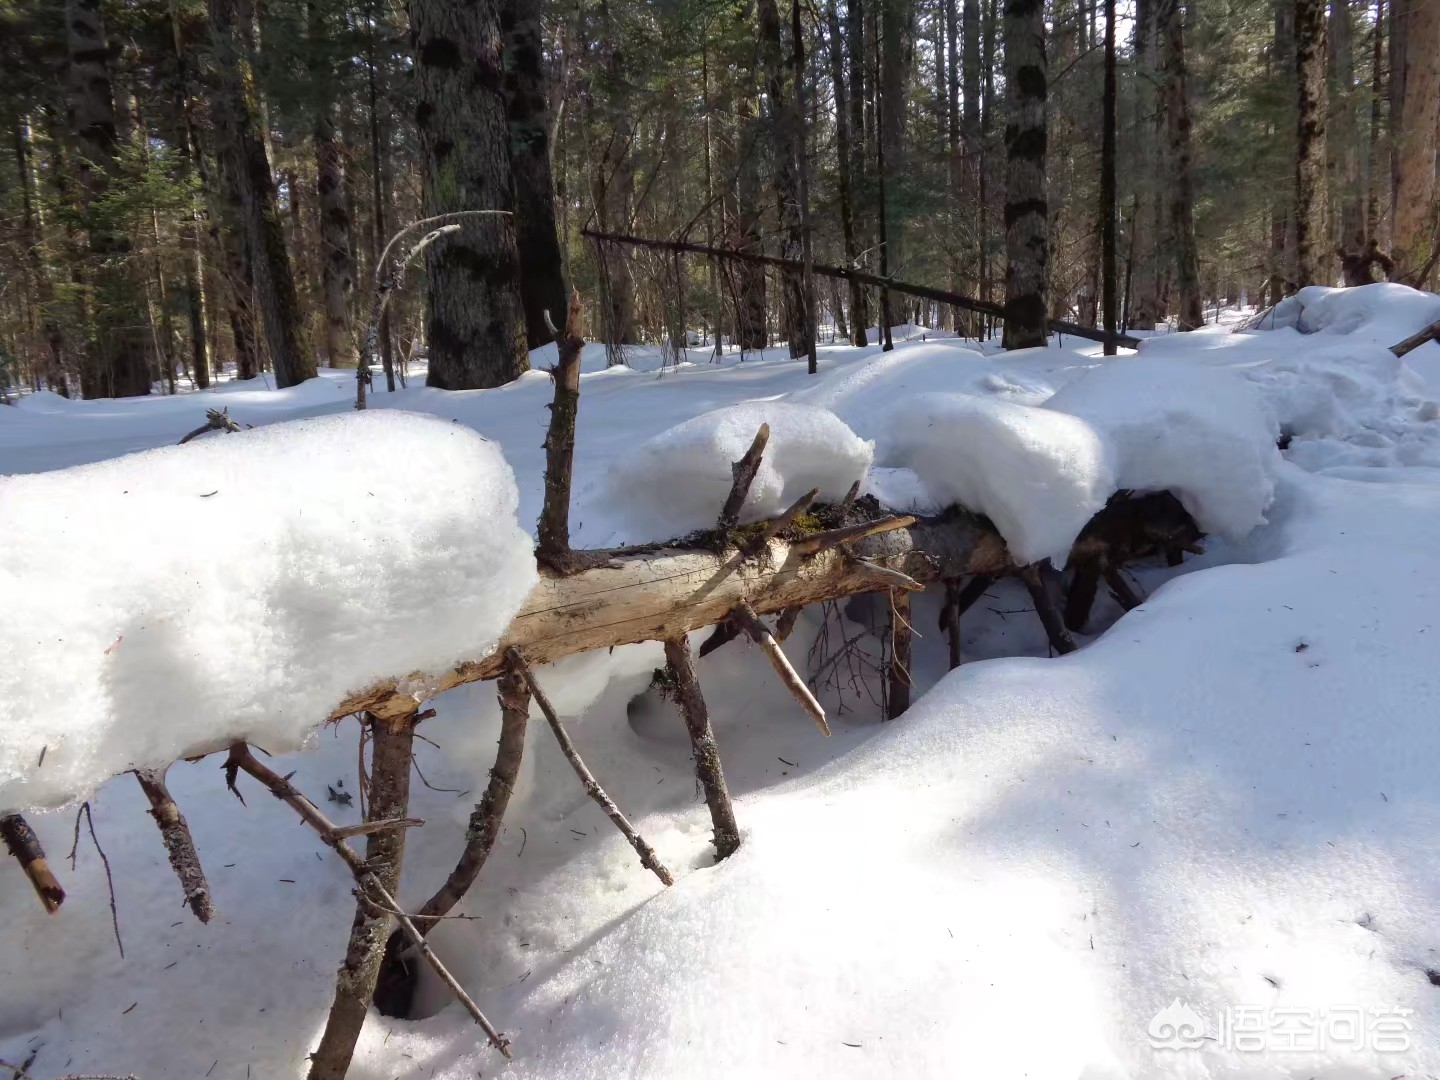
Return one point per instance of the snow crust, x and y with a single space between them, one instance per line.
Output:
167 602
677 481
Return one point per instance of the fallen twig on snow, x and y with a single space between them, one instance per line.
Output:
24 845
215 420
179 844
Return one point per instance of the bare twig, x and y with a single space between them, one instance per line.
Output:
742 474
759 633
22 843
179 844
587 778
109 881
365 828
821 541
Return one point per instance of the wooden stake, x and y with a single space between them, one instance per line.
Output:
1037 582
702 745
899 670
743 473
22 843
242 760
760 634
554 529
179 844
587 778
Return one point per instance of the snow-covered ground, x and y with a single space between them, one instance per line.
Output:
1221 811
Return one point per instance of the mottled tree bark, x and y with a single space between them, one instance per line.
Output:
475 329
115 364
750 332
1107 183
1181 187
971 158
1027 216
859 169
542 278
843 163
241 149
1310 247
1342 138
1415 229
784 123
337 264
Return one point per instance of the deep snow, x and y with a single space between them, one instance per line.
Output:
1229 799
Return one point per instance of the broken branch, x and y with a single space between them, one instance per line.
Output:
743 473
24 845
759 633
179 844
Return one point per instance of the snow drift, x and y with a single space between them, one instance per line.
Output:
167 602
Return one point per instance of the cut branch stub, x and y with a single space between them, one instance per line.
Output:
24 845
759 633
742 474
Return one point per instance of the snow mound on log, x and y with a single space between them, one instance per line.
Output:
1385 313
167 602
677 481
1202 434
1039 475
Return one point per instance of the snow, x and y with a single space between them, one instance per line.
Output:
1202 434
1039 475
677 481
1225 798
168 602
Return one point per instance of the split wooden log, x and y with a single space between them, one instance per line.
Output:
24 845
685 685
179 844
742 474
592 786
759 633
366 875
554 529
897 700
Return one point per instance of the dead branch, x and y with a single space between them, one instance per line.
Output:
846 533
703 747
24 845
1038 578
242 760
587 778
365 828
759 633
1122 590
179 845
950 621
1414 341
742 475
554 530
215 420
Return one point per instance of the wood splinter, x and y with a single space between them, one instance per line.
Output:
242 760
759 633
592 786
22 843
179 844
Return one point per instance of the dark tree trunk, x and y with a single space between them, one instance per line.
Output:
844 161
1342 138
33 238
475 328
1107 183
784 123
379 174
337 264
542 280
1182 184
241 149
115 363
750 301
1374 166
855 43
1027 212
1310 247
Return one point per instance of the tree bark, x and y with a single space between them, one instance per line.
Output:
1107 185
1342 138
1310 247
475 327
542 279
685 686
115 363
844 162
33 239
750 331
1415 229
337 264
241 149
1027 212
1182 185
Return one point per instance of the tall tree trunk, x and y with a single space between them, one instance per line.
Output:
970 161
1342 138
1182 185
1143 307
750 301
1310 247
802 164
379 178
1373 165
1107 183
897 58
33 238
882 171
241 148
337 264
1027 212
1282 216
1415 141
859 162
542 280
784 122
475 329
115 364
843 164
